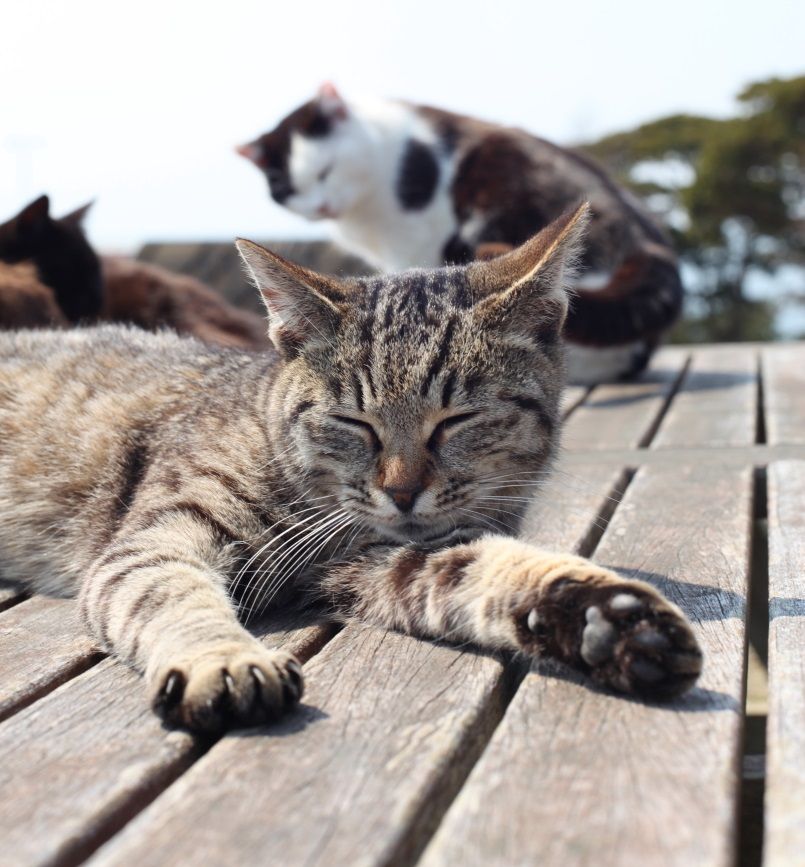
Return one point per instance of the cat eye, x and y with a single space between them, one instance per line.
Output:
359 424
442 429
324 173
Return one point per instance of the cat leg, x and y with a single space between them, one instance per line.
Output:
501 593
157 599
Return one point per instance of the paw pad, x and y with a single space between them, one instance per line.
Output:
598 638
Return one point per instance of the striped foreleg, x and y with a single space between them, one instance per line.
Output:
499 593
157 599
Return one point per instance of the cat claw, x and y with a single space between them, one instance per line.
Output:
228 687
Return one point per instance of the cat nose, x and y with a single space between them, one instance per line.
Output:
403 498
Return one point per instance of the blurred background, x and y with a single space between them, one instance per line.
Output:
699 106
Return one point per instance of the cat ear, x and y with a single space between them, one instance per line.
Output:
76 218
253 152
303 307
331 102
34 217
525 292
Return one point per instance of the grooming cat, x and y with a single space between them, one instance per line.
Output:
414 186
60 281
374 464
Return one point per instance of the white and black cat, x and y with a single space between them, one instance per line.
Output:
413 186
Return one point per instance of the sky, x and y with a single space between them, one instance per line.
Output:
139 105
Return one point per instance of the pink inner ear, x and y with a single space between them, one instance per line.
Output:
251 152
328 91
331 100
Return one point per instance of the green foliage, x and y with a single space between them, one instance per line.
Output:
741 209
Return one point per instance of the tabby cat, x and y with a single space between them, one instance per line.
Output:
51 276
375 463
414 186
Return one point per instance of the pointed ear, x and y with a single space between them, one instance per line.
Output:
34 217
331 102
525 292
303 307
253 152
76 218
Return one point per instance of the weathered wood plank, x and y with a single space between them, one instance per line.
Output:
389 728
174 257
785 766
9 596
716 404
783 371
625 415
576 777
42 644
218 265
383 716
85 758
572 397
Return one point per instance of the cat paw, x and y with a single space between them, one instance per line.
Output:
233 686
624 633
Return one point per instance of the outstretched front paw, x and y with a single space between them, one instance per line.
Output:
228 686
625 633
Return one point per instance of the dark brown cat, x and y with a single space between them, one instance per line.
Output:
153 297
64 284
51 277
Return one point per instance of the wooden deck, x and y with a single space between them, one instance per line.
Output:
408 752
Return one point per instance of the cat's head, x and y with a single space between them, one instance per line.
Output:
63 257
424 404
317 160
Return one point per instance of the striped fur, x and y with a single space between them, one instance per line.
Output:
376 464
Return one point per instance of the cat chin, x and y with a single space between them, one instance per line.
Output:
425 537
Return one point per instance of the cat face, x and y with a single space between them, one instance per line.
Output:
315 160
65 261
425 404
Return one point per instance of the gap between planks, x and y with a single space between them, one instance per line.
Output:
87 757
390 728
575 777
784 842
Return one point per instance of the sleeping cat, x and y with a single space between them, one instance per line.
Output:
375 463
151 297
60 280
414 186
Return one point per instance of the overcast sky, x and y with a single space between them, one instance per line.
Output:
139 104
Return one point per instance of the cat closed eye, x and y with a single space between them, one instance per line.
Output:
358 424
324 173
446 425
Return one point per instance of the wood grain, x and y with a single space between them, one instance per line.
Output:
42 644
625 415
389 729
9 596
716 404
785 765
84 759
573 395
577 777
783 370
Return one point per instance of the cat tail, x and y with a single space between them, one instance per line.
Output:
642 299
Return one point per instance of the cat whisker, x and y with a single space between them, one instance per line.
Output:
299 525
264 581
295 567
